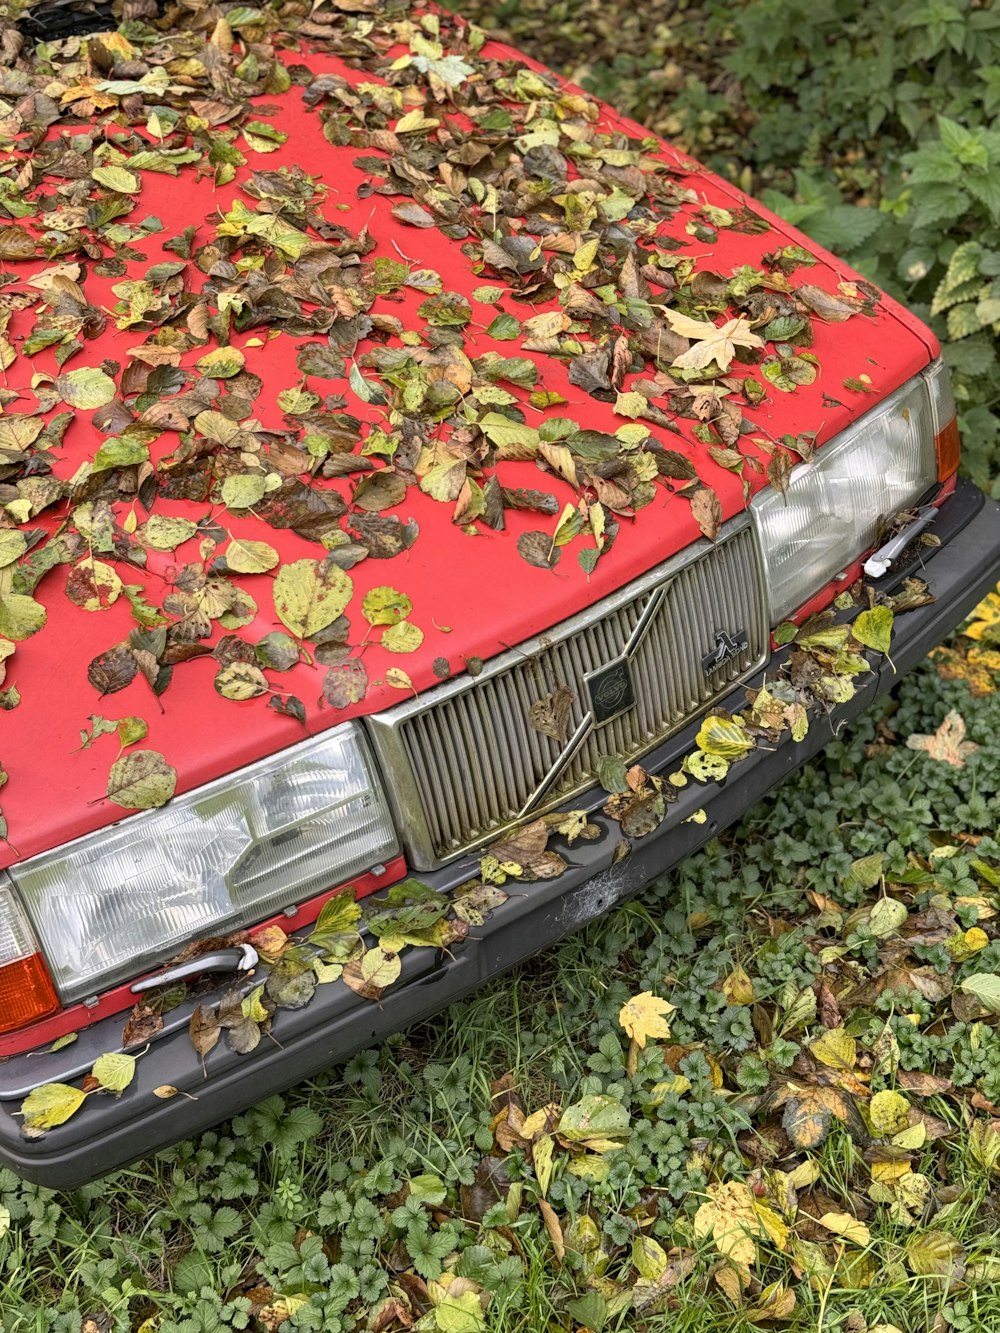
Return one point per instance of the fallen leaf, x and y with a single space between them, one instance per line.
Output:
947 745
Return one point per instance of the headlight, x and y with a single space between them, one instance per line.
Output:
124 899
883 463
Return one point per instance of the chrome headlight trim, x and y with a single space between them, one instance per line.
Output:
882 463
125 898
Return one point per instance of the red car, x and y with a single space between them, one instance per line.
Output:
429 508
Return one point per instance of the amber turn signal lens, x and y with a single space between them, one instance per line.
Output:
26 993
948 449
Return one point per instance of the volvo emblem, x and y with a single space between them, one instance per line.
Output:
727 647
610 690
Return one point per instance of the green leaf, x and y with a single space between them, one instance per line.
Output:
340 913
243 491
788 372
428 1189
117 179
404 637
385 606
503 328
874 629
85 388
589 1310
12 546
367 390
381 967
262 137
166 534
595 1119
131 729
250 557
631 405
985 987
20 616
723 739
50 1105
503 432
240 681
222 363
120 451
611 773
886 918
307 597
141 780
114 1071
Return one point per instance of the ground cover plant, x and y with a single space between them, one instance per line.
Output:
763 1094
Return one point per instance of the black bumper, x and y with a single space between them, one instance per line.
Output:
109 1133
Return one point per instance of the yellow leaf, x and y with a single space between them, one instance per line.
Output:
649 1257
270 943
536 1122
915 1192
541 1155
911 1138
843 1224
776 1229
222 363
732 1279
887 1173
775 1304
669 1087
888 1112
835 1049
553 1228
935 1252
723 739
114 1071
644 1016
985 617
308 597
738 988
414 121
805 1174
730 1219
51 1105
713 342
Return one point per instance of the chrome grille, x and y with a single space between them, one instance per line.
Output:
464 761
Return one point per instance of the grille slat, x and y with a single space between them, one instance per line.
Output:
473 757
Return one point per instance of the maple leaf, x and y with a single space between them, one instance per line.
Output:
947 744
645 1016
713 342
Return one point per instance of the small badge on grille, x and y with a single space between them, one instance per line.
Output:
727 647
610 690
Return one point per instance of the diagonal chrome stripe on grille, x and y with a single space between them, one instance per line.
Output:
463 761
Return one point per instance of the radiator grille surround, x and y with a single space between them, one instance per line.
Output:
463 761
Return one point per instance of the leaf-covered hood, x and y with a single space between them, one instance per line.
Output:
328 374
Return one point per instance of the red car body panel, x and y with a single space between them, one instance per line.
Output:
472 596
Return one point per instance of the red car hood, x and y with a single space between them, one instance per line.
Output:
471 590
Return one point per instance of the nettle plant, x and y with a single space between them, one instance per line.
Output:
934 241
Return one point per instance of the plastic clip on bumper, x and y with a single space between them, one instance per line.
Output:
111 1132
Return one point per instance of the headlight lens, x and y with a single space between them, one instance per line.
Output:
830 514
124 899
